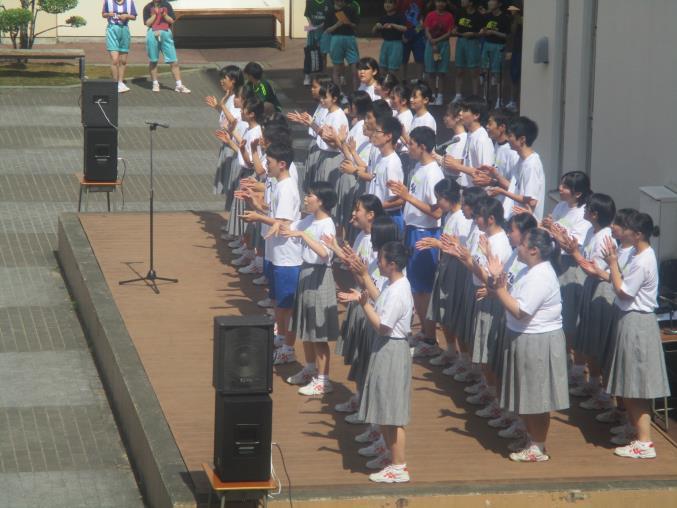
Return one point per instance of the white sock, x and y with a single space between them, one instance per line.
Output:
541 446
156 82
178 82
322 378
399 467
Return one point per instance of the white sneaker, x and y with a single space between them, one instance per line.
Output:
266 303
476 388
349 406
375 449
241 261
637 450
439 100
491 411
156 87
423 349
354 419
278 341
391 474
233 244
502 422
302 377
260 281
250 269
316 387
457 98
455 368
181 89
368 436
240 249
467 376
531 454
380 462
480 399
122 88
306 80
515 431
442 359
284 355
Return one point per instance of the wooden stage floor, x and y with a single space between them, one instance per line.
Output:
446 444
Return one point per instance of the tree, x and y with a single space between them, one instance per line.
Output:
20 23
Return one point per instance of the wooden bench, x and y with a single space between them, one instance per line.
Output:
46 54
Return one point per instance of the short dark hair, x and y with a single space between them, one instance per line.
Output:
383 230
547 247
234 73
332 89
381 109
423 136
453 108
524 127
471 195
390 125
477 106
281 152
523 222
362 102
502 116
387 81
368 62
254 69
577 181
486 207
395 252
643 223
255 105
325 192
603 205
623 215
402 91
371 203
424 89
448 189
321 78
276 134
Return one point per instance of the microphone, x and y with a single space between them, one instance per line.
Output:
158 124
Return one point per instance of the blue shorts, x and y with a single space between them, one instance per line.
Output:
164 46
414 43
442 65
325 43
422 264
344 47
314 38
284 283
391 55
492 56
468 53
118 38
398 219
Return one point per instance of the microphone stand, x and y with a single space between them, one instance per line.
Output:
151 277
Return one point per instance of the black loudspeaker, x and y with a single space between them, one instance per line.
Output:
243 355
98 95
242 437
101 154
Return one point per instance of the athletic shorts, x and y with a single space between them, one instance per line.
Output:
442 65
325 43
468 53
314 38
165 46
414 43
398 219
118 38
344 47
391 55
492 56
284 284
422 264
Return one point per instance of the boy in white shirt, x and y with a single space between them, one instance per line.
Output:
455 147
388 168
422 220
530 178
285 252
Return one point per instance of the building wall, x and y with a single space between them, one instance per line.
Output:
606 101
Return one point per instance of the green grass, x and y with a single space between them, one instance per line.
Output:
59 74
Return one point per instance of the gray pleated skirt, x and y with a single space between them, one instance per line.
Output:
496 364
387 389
595 324
328 167
223 166
345 192
466 323
637 368
489 321
571 280
311 165
442 298
315 317
364 343
233 182
236 226
352 323
534 378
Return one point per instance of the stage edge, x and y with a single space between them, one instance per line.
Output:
155 457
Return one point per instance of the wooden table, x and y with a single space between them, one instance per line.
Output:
218 8
244 490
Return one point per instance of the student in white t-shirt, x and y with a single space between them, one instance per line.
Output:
285 252
637 378
422 220
456 145
479 149
315 318
367 70
535 376
529 191
386 399
421 95
388 168
399 97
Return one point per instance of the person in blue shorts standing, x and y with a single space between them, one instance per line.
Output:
495 32
413 38
468 47
438 26
341 23
118 13
159 16
390 27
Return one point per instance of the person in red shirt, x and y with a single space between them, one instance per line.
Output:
438 26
